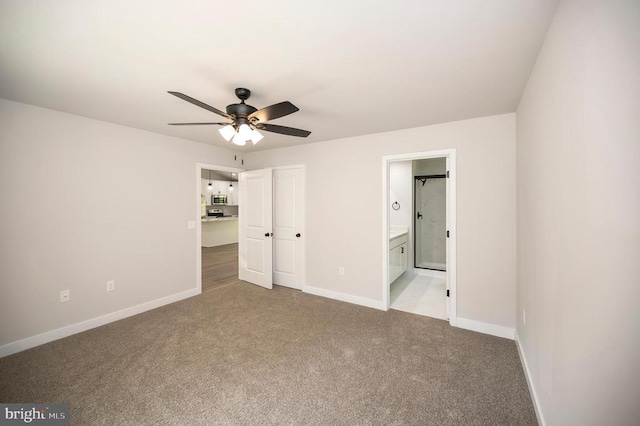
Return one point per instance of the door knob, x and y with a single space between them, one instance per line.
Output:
298 235
267 234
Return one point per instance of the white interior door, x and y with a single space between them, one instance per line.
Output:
255 248
288 227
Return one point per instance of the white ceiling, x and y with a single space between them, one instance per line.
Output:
352 67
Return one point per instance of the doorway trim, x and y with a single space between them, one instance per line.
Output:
199 168
450 155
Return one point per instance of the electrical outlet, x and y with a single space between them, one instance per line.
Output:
191 224
524 317
111 285
340 270
65 296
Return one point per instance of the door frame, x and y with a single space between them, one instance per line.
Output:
414 221
450 155
199 167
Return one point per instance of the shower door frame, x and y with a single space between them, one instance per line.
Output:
415 220
451 253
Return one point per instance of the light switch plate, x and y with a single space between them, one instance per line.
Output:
191 224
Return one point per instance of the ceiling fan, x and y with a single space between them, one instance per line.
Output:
246 120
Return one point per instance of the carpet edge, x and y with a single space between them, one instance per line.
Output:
66 331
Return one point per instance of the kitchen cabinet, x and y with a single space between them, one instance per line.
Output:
220 187
232 194
398 256
224 189
204 190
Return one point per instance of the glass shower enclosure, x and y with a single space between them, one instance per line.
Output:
430 222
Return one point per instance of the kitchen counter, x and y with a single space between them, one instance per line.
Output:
218 219
218 231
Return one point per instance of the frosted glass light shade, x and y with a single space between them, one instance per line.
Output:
239 140
242 135
256 136
227 132
244 131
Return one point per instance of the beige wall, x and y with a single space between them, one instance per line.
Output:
83 202
578 180
344 210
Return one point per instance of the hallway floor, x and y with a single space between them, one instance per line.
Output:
219 266
422 294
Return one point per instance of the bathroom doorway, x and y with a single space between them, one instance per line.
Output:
427 285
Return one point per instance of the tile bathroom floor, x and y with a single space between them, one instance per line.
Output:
423 293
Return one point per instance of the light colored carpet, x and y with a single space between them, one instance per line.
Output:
243 355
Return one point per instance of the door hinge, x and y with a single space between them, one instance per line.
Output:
447 173
447 293
447 234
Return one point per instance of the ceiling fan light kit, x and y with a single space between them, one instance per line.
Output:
256 136
246 119
227 132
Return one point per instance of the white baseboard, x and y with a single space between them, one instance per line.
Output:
486 328
481 327
344 297
50 336
527 375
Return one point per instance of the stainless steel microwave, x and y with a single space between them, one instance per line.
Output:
218 199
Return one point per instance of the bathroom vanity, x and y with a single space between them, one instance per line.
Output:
398 251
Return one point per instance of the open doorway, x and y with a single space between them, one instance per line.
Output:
217 230
422 289
419 253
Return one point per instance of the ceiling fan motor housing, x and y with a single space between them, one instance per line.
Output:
240 110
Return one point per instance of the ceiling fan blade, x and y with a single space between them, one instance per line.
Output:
274 111
197 124
284 130
200 104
